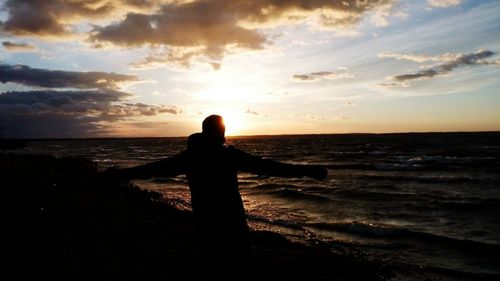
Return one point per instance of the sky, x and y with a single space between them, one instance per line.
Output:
150 68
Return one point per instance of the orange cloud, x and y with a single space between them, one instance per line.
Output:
211 27
215 27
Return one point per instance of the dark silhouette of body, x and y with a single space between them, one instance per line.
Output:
211 169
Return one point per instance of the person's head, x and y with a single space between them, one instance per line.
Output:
213 129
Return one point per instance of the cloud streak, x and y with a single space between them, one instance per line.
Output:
322 75
37 77
249 111
443 3
448 63
18 47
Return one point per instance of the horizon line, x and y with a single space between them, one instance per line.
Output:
254 136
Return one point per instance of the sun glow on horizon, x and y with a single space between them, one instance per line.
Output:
230 97
234 119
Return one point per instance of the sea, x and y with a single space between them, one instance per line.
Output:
421 201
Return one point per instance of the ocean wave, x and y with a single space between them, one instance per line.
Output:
377 231
467 206
277 222
290 192
275 186
431 179
377 195
293 194
390 167
374 165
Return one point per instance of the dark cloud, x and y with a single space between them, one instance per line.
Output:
50 113
60 102
427 73
94 102
57 18
322 75
53 126
93 110
18 47
448 63
50 17
28 76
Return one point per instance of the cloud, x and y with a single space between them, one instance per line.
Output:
251 112
91 102
177 57
93 106
449 62
50 17
18 47
60 18
218 26
70 113
208 26
214 27
53 126
350 104
443 3
304 78
394 84
36 77
322 75
418 58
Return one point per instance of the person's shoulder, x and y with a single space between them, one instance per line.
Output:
195 141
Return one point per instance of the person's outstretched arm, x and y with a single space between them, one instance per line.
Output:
168 167
259 166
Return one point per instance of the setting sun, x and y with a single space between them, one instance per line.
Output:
234 120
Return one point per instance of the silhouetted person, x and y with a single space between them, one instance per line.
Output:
211 169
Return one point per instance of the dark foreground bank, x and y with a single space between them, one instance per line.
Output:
63 221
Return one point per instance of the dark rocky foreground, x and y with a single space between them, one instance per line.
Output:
62 220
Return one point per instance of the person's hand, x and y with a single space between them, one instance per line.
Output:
317 172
